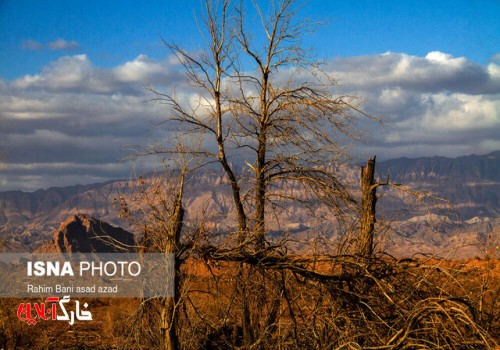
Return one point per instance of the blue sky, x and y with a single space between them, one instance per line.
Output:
114 32
72 75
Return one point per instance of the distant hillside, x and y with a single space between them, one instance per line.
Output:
454 170
470 183
84 234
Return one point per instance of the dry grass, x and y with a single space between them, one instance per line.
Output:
377 304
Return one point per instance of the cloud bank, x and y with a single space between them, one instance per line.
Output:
71 122
432 105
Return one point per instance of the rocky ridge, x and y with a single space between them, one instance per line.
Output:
82 233
470 184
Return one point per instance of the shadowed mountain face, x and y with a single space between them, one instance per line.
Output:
455 170
84 234
471 184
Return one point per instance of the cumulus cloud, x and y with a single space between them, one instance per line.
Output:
436 104
71 122
436 71
73 112
76 73
66 72
141 69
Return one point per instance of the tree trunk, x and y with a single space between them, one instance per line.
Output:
368 203
168 327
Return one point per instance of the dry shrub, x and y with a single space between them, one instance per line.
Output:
342 302
353 304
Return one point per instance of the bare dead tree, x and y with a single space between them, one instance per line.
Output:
156 208
169 337
262 99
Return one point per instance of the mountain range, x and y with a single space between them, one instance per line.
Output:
442 202
470 183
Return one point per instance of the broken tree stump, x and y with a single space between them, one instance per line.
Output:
368 203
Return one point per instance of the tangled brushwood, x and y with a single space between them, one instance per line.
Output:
341 302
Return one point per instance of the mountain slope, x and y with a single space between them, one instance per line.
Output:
470 183
84 234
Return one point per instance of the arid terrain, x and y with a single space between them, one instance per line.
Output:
404 312
433 282
457 207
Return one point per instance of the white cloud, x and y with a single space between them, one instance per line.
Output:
76 114
432 105
66 72
56 45
32 45
142 69
443 58
435 72
77 73
61 44
494 71
460 112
